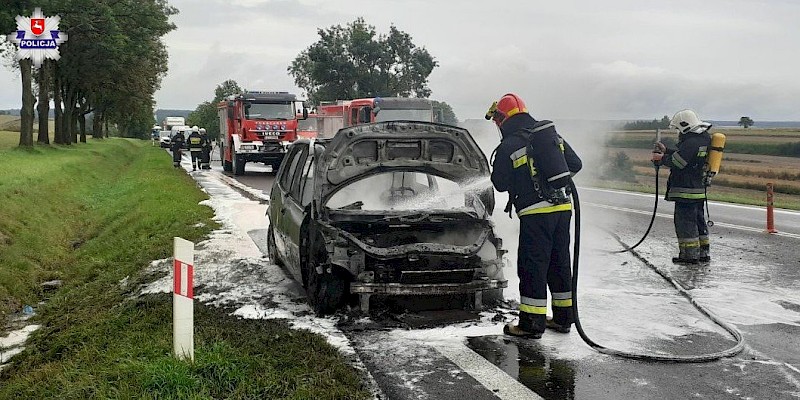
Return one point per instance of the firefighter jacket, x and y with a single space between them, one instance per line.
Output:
687 167
178 141
195 142
511 170
206 141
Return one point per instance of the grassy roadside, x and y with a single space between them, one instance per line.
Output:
94 214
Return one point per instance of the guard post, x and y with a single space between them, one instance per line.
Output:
183 300
770 209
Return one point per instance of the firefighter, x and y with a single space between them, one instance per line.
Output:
178 142
205 160
686 185
195 143
527 149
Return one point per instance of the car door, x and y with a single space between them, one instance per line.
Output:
278 195
295 212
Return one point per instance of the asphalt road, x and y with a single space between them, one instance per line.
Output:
742 216
752 282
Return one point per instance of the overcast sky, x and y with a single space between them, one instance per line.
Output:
610 59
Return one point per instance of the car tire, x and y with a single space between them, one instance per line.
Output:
327 292
238 164
272 250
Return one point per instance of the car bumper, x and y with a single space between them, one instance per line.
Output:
365 290
397 289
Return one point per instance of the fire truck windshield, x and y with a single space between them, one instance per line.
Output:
271 111
425 115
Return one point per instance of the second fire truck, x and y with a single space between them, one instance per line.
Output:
345 113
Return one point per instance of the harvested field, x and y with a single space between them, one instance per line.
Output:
750 162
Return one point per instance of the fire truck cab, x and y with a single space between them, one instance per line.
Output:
257 127
347 113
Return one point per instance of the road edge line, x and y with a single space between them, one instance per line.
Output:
487 374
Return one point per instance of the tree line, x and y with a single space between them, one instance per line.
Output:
348 62
642 125
110 67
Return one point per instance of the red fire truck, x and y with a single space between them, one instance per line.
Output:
344 113
307 128
257 127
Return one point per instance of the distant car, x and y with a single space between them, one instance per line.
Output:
165 139
391 208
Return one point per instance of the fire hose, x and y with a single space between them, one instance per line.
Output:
645 356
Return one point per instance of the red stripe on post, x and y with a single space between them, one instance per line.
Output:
190 281
176 287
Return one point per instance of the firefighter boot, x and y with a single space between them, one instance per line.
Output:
530 326
705 253
551 324
687 256
515 330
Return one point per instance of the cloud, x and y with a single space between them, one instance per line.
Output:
614 59
626 69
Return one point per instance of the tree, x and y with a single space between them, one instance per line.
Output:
619 168
225 89
8 13
746 122
447 116
111 66
205 116
44 104
355 61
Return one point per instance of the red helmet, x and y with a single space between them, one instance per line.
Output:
508 105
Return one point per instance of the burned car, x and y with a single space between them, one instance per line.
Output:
390 208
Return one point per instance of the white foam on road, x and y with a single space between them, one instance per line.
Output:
669 216
233 272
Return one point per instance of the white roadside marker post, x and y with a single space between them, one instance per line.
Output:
183 300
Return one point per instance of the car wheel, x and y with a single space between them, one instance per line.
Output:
272 250
238 164
326 292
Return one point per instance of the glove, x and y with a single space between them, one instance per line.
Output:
656 157
658 152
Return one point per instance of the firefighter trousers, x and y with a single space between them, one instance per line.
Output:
176 155
205 160
543 261
196 158
691 230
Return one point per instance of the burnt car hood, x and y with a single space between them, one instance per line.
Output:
437 149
